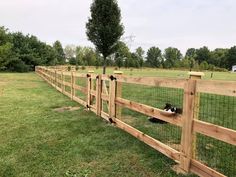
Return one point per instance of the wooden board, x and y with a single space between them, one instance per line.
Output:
217 87
203 171
153 81
214 131
150 111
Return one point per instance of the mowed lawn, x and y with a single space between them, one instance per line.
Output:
152 72
36 140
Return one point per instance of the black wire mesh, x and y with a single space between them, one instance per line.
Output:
219 110
156 97
216 154
81 81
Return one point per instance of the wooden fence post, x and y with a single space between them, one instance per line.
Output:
89 81
55 78
118 109
99 94
72 85
92 86
62 83
195 76
112 95
187 138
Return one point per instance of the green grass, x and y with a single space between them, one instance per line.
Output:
165 73
37 141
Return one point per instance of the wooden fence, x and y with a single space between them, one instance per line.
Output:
103 92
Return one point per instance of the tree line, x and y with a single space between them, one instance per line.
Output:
220 59
21 53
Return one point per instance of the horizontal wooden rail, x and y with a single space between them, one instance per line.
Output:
67 83
161 147
153 81
202 170
80 101
150 111
214 131
80 88
185 158
227 88
105 97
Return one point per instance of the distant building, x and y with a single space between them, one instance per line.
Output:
234 68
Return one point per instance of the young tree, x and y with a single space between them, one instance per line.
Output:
154 57
104 28
59 52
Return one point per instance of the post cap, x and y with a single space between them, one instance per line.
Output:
118 72
90 71
192 73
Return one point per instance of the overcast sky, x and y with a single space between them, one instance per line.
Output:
162 23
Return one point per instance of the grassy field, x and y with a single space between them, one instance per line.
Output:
165 73
36 140
216 109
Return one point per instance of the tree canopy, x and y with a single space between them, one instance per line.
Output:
104 27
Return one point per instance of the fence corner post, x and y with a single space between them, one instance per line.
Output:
118 109
188 138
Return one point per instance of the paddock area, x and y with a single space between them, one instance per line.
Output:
37 139
200 140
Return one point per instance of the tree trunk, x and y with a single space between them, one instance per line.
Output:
104 64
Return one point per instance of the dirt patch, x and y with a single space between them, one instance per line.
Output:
68 108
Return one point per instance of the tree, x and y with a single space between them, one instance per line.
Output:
219 57
203 54
190 53
70 51
204 65
60 55
231 57
122 54
140 55
172 57
104 28
154 57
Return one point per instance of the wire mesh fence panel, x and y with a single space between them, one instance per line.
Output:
67 78
165 132
68 89
58 78
156 97
217 109
217 155
153 96
82 93
81 81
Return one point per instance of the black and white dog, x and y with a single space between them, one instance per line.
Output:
168 108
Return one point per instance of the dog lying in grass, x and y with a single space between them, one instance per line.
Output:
168 108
